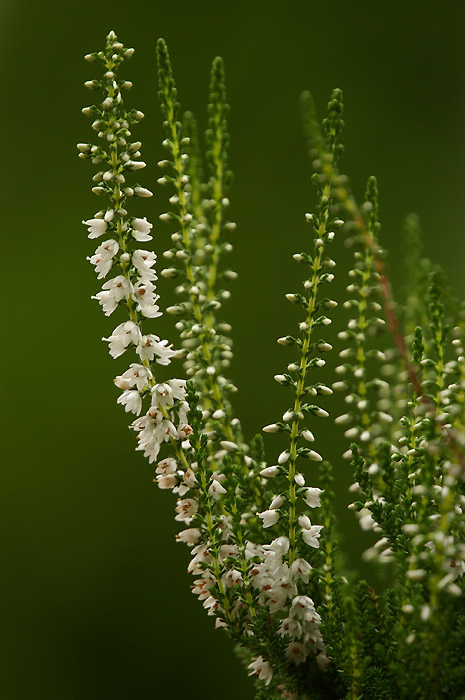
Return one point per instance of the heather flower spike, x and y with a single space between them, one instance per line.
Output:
263 539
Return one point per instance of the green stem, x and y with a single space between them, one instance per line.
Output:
300 390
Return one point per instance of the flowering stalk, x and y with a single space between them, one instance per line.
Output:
202 298
365 289
349 204
297 378
133 285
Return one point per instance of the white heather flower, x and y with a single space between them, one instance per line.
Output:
166 481
310 535
227 550
96 227
291 626
269 517
303 608
189 478
215 489
150 310
112 292
296 653
145 424
184 430
300 569
132 401
167 466
144 294
276 597
136 375
141 229
322 661
178 389
211 604
232 577
312 497
124 334
182 412
153 430
165 430
262 668
200 588
162 395
151 345
103 257
186 509
278 547
143 261
190 536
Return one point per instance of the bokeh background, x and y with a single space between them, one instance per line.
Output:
95 600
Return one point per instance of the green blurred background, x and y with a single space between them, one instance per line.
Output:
95 600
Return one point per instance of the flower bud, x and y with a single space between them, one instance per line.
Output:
270 471
229 445
271 428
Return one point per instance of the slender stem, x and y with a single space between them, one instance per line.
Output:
300 389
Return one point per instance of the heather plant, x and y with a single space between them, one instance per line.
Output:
263 537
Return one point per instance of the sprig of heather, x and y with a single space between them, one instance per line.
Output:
207 351
318 149
286 563
310 351
167 419
133 285
360 384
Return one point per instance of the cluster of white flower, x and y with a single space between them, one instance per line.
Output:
281 567
201 566
277 582
133 285
136 283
